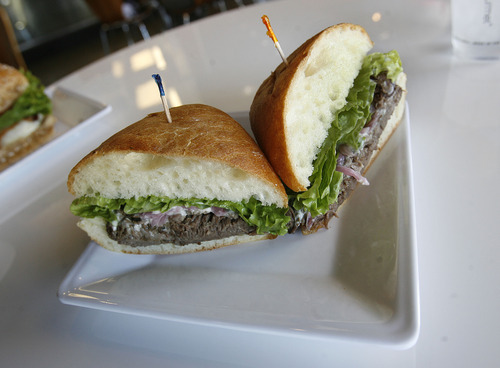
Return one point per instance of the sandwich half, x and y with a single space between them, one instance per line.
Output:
198 183
322 119
26 120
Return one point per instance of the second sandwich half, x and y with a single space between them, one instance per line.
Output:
198 183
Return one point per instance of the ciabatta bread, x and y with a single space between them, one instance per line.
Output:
294 107
12 85
203 153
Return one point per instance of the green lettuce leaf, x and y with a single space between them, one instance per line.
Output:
32 101
267 219
345 128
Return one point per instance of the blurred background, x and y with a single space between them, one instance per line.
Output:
52 38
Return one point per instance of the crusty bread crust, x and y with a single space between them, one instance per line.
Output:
19 149
96 229
12 85
269 107
197 132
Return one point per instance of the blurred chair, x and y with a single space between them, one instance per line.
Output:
120 14
187 9
9 48
160 9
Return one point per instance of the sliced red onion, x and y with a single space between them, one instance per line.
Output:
221 212
176 210
350 172
155 218
160 218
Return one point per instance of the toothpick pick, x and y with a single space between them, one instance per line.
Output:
157 79
271 34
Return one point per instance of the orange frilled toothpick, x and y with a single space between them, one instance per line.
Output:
271 34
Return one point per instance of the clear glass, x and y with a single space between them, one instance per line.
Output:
476 28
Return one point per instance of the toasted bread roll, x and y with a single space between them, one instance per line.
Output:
322 119
201 158
294 107
12 85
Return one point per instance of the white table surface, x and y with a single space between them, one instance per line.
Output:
220 61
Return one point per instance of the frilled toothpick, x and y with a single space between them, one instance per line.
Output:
157 79
271 34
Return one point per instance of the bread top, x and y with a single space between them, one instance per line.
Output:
295 106
12 85
203 153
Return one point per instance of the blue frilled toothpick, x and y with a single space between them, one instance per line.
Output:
157 79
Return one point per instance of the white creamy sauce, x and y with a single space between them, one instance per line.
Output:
21 130
299 215
183 211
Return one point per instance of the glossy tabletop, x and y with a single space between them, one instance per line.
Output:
453 143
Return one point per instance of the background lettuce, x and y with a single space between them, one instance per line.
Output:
32 101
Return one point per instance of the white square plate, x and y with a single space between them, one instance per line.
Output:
357 280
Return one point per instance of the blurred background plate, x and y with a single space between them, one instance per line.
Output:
76 119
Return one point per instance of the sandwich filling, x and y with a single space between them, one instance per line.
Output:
32 105
159 220
179 225
21 130
352 138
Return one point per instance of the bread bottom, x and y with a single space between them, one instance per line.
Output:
96 229
22 147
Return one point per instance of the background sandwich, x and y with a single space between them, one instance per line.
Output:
322 119
25 115
198 183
